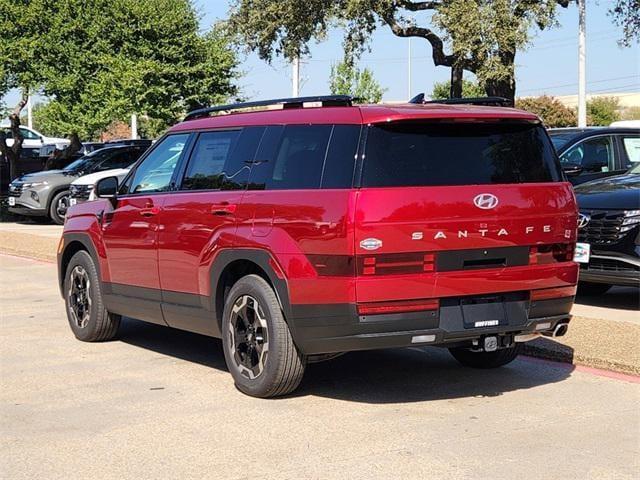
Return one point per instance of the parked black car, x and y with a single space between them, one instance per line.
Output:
610 223
596 152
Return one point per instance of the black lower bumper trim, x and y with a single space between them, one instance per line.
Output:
342 330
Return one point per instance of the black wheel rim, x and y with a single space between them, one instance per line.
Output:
79 296
248 336
62 205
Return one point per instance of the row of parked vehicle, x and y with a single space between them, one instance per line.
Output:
602 163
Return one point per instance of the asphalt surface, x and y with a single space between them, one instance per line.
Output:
158 403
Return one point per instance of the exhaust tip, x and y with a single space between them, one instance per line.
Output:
560 330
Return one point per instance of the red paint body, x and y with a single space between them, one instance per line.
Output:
174 245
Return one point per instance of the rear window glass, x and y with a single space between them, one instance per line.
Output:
430 154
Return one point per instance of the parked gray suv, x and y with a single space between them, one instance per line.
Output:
46 193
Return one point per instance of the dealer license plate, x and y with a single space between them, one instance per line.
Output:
583 252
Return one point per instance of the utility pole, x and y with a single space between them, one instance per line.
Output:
296 76
134 126
29 112
409 72
582 52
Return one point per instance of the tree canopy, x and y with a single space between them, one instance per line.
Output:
626 14
102 60
347 79
469 89
480 36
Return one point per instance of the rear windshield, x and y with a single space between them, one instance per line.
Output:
430 154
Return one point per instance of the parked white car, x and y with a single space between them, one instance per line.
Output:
34 139
83 189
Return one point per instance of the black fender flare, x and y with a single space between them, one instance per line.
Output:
263 259
88 245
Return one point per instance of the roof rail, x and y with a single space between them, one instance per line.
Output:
488 101
280 103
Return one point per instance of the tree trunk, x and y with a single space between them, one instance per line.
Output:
456 82
12 154
504 87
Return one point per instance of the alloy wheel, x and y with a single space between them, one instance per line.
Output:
62 206
79 296
248 336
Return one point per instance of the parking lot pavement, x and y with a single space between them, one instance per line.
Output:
159 403
619 303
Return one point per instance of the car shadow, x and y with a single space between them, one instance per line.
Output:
377 377
626 298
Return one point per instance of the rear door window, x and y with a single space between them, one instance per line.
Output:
305 157
632 149
594 155
431 154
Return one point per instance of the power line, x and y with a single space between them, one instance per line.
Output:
575 83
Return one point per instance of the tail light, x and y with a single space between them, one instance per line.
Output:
556 252
396 263
558 292
402 306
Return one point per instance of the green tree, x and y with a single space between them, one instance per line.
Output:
99 61
601 111
347 79
626 14
480 36
441 90
552 112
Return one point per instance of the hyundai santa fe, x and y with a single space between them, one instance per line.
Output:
313 227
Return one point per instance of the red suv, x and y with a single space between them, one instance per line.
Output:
314 227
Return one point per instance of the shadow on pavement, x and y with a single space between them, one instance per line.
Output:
381 376
627 298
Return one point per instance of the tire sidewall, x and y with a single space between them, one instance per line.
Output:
53 213
250 285
89 332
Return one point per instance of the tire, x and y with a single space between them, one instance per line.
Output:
88 318
58 207
260 366
592 289
496 359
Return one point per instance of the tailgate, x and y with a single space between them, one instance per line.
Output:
440 241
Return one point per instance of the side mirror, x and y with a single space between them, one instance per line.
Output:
107 187
572 169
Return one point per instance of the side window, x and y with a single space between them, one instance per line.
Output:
117 160
296 163
155 172
593 155
632 147
206 170
29 135
341 156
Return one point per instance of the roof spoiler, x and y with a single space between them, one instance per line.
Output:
486 101
276 104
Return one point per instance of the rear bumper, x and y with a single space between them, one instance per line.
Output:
338 328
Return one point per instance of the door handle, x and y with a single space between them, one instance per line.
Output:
150 211
224 208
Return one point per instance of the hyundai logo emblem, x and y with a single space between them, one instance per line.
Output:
485 201
583 220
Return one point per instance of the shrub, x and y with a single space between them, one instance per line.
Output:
552 112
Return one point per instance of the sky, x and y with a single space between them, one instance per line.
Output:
548 66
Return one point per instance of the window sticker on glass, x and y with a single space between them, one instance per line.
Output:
632 147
